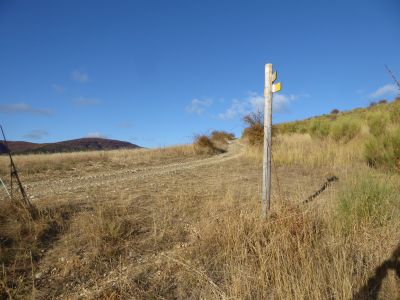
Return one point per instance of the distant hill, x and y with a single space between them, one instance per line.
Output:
83 144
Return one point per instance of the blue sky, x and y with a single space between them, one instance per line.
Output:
157 72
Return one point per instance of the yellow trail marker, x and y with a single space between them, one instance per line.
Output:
276 87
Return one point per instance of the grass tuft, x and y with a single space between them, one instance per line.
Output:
384 151
319 129
377 123
345 129
368 200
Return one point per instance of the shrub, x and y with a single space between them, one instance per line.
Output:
383 101
254 133
334 111
203 145
372 104
221 136
319 128
290 128
345 130
383 151
375 153
377 123
368 199
394 113
303 129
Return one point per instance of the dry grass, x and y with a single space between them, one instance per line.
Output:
302 150
60 163
23 241
197 233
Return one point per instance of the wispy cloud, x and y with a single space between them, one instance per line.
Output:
96 135
255 102
23 108
198 106
80 76
237 108
36 134
86 101
386 90
281 102
58 88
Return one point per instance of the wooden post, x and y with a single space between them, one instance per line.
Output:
266 192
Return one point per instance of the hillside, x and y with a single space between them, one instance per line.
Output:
390 111
83 144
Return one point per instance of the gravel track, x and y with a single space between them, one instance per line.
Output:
124 176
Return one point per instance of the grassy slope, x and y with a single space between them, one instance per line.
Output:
197 233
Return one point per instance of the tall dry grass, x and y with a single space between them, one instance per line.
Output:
302 150
224 249
295 254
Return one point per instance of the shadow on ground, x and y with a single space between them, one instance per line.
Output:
371 289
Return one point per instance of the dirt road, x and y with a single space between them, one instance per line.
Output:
115 179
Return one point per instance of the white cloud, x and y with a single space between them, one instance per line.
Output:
86 101
23 108
237 108
388 89
198 106
281 102
36 134
80 76
255 102
96 135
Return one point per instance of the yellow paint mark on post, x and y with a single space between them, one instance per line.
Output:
276 87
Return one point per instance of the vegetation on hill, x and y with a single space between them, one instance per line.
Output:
376 128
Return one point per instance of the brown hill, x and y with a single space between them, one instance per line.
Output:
83 144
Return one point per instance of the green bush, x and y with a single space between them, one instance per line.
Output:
395 112
289 128
302 129
384 150
377 123
319 128
368 199
395 140
345 129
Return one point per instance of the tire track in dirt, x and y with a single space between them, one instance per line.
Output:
82 183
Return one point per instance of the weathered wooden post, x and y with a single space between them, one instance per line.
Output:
269 88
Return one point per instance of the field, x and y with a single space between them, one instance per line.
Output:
174 223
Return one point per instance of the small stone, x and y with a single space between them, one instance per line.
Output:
38 275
